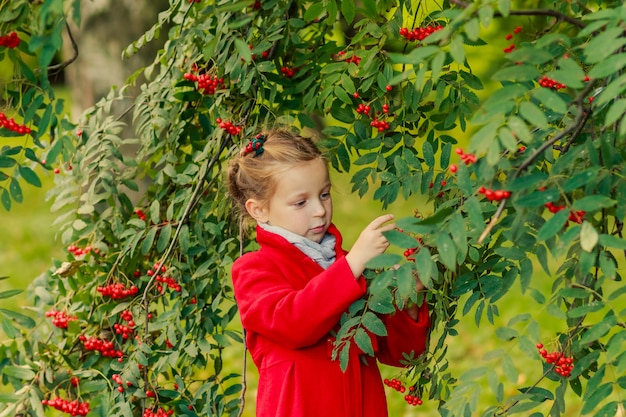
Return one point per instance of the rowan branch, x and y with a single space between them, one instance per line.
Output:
531 12
574 128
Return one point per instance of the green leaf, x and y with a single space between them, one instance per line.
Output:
425 266
363 341
10 293
517 73
602 45
446 249
149 240
533 114
385 260
537 198
400 239
429 153
483 139
16 190
550 100
348 10
608 410
438 216
506 333
314 11
20 372
20 318
585 309
615 112
593 202
599 394
29 176
374 324
610 66
596 331
553 225
612 242
164 238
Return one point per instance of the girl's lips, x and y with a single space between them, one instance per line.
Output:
318 229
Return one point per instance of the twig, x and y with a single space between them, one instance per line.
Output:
532 12
55 69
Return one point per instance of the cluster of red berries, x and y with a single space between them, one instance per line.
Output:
419 33
413 399
547 82
574 216
228 126
12 40
117 291
353 58
468 158
124 330
74 408
12 125
60 318
106 348
494 195
381 125
395 384
363 109
409 252
140 213
288 71
563 364
77 251
207 83
158 413
120 385
508 37
169 281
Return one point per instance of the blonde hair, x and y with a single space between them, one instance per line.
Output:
252 175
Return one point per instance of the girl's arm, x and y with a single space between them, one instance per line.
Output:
295 318
404 334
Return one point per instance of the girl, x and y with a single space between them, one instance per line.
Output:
292 292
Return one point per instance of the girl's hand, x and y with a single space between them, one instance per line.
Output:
371 242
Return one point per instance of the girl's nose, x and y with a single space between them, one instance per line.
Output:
319 209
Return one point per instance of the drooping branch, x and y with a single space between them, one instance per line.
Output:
574 129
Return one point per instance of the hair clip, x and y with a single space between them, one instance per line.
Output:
255 145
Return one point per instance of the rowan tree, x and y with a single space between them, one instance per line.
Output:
523 182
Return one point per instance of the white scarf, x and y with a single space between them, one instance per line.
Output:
322 253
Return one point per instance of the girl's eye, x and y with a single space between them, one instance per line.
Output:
300 203
325 196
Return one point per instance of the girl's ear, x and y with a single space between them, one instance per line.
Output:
257 210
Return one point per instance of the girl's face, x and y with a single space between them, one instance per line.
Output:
301 202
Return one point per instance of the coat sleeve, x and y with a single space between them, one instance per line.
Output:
403 336
270 306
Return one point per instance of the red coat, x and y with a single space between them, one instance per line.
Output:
288 306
